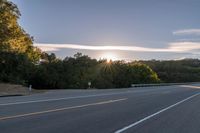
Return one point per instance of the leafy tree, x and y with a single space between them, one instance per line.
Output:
17 54
141 73
186 70
12 37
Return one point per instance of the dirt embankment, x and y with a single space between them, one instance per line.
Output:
12 89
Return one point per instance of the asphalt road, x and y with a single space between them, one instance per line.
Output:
166 109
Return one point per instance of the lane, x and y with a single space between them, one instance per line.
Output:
184 118
103 118
60 109
155 114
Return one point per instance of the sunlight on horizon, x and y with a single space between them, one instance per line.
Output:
109 57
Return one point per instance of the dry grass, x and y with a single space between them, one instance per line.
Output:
12 89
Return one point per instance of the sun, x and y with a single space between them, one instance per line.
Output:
108 60
109 57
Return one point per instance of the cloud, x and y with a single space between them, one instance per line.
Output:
187 32
184 46
97 48
176 47
47 49
189 40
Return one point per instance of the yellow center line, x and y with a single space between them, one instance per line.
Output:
61 109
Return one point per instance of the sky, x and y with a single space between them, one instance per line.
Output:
116 29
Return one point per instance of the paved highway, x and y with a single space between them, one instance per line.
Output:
165 109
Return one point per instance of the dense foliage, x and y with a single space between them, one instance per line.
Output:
186 70
17 54
13 38
77 71
14 67
72 72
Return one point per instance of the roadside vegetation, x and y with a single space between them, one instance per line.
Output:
22 63
186 70
77 71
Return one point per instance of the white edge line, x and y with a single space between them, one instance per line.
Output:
150 116
64 98
75 97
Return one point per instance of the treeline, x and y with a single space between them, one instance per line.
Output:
186 70
72 72
77 71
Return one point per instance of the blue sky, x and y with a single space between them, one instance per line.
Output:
118 29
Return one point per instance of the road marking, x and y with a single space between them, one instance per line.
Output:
58 99
75 97
150 116
191 86
61 109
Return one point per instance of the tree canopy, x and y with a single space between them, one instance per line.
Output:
12 37
186 70
77 71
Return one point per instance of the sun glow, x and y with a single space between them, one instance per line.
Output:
109 57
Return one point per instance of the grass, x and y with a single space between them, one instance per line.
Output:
14 90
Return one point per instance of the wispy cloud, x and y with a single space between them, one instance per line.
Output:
187 32
189 40
47 49
177 47
184 46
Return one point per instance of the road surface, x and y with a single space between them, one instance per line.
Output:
165 109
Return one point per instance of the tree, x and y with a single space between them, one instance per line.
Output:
17 53
140 73
12 37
